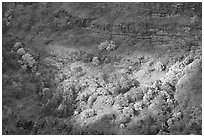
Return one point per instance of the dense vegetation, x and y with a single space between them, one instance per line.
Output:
101 68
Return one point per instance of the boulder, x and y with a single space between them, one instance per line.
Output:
95 61
17 46
21 51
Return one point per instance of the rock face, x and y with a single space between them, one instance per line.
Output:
189 87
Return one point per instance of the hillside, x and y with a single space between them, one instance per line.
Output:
101 68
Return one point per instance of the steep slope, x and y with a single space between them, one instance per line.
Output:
103 68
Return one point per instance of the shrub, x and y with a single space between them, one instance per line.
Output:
138 106
103 102
122 119
135 94
84 96
87 113
102 91
50 126
28 59
121 100
129 111
107 45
